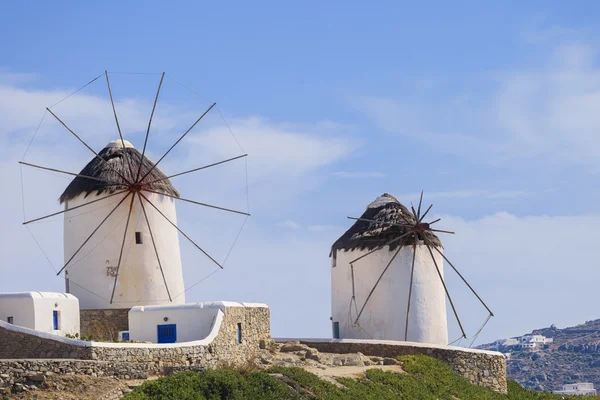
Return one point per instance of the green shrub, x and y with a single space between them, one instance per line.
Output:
425 379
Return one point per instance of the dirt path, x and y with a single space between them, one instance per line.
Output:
350 372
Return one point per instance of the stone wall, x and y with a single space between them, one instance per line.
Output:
103 324
256 328
223 348
36 371
19 343
483 368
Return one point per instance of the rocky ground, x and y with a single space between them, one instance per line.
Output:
294 354
325 365
72 387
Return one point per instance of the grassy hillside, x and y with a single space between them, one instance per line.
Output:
426 378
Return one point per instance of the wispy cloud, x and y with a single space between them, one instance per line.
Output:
289 224
345 174
278 149
468 194
11 78
325 228
547 114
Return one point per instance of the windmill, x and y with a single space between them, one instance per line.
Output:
121 235
388 279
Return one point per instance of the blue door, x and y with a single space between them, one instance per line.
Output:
336 330
167 333
55 319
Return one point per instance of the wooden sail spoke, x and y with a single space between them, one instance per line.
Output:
122 247
180 231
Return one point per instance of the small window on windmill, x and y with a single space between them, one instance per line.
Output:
10 320
138 238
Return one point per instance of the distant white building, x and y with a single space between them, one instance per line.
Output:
511 342
529 346
539 339
584 388
56 313
533 342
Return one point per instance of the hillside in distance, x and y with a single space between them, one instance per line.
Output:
573 356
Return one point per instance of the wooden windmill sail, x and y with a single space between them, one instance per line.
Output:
120 223
388 277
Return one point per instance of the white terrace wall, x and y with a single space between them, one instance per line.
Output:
193 321
219 346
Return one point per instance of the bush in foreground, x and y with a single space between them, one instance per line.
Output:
425 378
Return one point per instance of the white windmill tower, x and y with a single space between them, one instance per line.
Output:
121 244
149 266
387 277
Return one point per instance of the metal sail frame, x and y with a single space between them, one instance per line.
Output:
416 228
135 187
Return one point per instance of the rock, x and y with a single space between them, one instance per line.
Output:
18 388
390 361
37 378
301 353
293 347
348 360
313 354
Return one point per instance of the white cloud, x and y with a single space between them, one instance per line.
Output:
11 78
283 150
548 112
528 269
288 224
325 228
345 174
469 194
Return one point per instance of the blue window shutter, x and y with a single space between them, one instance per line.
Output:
55 319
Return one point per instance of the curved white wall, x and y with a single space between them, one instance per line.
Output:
193 321
384 316
91 272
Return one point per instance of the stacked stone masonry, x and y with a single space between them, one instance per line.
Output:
483 368
224 349
103 324
36 371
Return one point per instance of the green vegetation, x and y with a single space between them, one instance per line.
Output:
426 379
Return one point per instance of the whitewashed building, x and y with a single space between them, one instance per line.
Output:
385 314
511 342
91 269
584 388
56 313
180 323
537 339
534 342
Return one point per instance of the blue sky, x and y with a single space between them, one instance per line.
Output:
492 110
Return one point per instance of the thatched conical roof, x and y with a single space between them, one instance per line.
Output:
114 153
369 235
